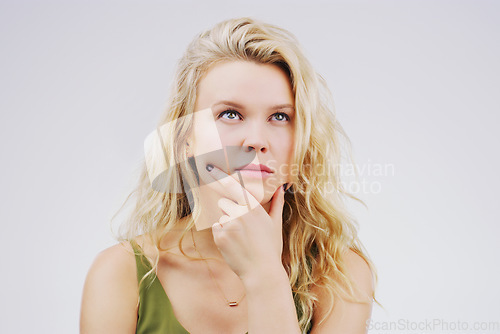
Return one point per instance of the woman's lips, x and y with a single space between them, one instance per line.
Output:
257 167
253 173
244 171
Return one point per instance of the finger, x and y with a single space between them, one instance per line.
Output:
233 189
277 202
224 224
231 208
224 219
216 229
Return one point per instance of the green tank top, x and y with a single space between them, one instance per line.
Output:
155 314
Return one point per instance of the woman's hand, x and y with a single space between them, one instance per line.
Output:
249 238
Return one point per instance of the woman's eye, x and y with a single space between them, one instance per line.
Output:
228 112
233 114
282 116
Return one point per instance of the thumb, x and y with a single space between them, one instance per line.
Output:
276 210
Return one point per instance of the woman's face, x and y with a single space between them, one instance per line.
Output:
245 107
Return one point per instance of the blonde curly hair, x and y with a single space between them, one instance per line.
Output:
317 228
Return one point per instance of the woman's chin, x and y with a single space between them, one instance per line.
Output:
261 194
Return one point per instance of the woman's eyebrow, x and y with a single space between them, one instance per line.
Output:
236 105
283 106
228 103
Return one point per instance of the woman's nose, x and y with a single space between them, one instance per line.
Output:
255 138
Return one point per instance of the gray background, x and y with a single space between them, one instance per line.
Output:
416 88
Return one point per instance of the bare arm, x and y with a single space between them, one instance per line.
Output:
347 317
271 308
110 293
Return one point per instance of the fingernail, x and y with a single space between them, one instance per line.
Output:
209 167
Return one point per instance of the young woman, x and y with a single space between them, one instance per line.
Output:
245 230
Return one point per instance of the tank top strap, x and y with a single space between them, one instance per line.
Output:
155 313
143 265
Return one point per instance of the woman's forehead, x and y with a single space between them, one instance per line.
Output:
244 83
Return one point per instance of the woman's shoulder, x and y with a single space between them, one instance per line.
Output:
115 260
110 291
346 316
359 270
117 264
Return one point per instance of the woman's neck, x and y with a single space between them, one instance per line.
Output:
203 239
201 232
